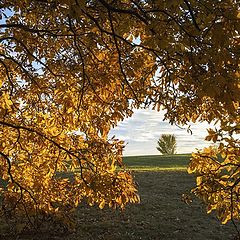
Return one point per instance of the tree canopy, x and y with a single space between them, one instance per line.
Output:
167 144
72 69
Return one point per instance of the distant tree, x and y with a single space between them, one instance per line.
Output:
167 144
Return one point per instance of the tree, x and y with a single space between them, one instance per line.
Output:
70 70
167 144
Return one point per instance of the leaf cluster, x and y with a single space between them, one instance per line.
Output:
218 174
71 70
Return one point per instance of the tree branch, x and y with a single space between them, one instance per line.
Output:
192 15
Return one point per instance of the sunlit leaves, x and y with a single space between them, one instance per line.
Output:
218 171
71 70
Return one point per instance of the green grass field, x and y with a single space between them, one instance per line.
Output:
157 162
161 215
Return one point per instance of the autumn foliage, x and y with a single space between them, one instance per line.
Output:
70 70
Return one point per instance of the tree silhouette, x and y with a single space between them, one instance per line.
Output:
167 144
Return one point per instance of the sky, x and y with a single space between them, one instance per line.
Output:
142 131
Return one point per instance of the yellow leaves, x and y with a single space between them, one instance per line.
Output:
136 199
191 170
101 56
209 209
113 167
199 181
11 186
5 101
225 217
193 165
76 203
53 130
70 110
212 135
102 204
129 37
217 178
94 30
75 164
88 81
37 185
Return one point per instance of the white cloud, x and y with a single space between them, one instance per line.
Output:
143 129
